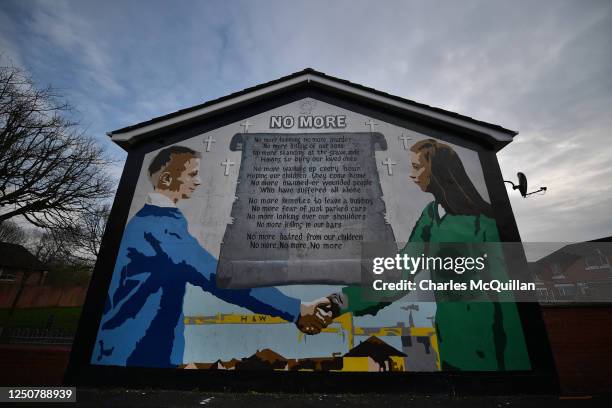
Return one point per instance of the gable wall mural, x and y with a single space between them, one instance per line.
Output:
242 251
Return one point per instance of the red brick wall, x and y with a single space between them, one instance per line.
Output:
7 295
43 296
581 341
33 365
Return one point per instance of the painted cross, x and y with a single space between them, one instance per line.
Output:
246 125
227 165
371 124
405 139
388 162
208 142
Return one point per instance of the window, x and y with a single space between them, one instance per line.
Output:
6 276
584 289
566 291
544 295
597 260
556 271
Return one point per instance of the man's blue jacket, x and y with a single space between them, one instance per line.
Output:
143 322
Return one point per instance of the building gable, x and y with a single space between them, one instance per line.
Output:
310 79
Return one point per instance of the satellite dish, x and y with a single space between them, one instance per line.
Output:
522 185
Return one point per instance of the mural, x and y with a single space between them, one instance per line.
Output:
311 199
456 214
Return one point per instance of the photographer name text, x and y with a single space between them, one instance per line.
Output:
477 285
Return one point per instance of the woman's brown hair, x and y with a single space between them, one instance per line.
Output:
449 183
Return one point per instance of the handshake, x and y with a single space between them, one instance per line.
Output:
318 314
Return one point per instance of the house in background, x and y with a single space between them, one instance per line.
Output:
16 264
579 272
26 284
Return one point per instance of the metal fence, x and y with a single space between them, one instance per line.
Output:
28 335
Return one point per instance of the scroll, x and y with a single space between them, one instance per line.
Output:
304 205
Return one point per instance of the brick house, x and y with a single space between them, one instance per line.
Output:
17 264
579 272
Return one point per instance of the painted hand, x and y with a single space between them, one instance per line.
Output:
337 302
314 316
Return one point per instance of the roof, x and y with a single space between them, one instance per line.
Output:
374 347
576 250
268 356
309 77
16 256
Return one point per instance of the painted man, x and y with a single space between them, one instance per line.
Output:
142 324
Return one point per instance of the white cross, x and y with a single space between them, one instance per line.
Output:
246 125
227 165
371 124
209 143
388 162
405 139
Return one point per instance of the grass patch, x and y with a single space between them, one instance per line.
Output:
66 318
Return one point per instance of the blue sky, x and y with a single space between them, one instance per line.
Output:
542 68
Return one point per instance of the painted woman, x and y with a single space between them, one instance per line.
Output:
473 334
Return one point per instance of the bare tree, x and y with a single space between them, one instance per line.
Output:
52 246
75 247
87 236
11 232
50 172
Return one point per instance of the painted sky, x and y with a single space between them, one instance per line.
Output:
543 68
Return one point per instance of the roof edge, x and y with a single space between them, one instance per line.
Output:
129 135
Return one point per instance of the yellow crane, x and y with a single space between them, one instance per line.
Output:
342 325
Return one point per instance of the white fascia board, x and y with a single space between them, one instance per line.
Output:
131 134
497 135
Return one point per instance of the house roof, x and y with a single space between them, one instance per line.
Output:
309 77
374 347
268 355
577 250
16 256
